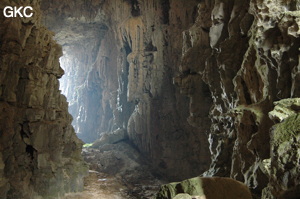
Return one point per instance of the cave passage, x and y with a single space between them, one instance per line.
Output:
140 99
116 168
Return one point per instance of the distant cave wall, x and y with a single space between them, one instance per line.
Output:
82 86
40 155
133 73
79 27
247 54
149 44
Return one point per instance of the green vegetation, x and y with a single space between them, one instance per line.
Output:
286 130
87 145
191 186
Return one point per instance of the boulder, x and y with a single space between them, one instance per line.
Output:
110 138
205 188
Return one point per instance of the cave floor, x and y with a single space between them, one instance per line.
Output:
100 185
117 171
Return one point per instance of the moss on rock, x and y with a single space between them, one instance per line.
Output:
286 130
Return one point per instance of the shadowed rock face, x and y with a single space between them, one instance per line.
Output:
40 155
247 54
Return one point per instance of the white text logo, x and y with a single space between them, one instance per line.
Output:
18 11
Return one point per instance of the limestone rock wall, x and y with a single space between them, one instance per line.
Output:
149 42
283 167
247 54
40 155
79 27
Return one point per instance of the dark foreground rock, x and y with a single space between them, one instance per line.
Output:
40 154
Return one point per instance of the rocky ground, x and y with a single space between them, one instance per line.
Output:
100 185
117 171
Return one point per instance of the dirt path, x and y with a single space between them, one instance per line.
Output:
117 171
100 186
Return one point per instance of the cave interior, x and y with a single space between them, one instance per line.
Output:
161 99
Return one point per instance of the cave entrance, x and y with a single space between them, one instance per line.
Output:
81 84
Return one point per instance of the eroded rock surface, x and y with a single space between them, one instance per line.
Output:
283 166
247 54
40 155
205 188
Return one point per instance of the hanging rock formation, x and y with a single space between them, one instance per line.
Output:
148 35
40 155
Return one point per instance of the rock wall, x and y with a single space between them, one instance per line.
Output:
283 167
149 35
247 54
40 155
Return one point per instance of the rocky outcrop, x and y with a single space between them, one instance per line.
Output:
122 162
283 167
246 54
40 155
205 188
111 138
